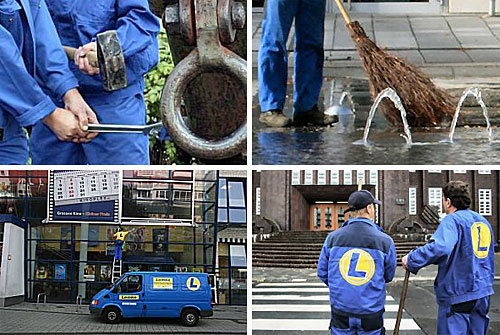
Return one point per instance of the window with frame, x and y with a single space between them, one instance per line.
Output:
435 198
232 201
484 171
412 201
295 177
317 215
360 176
459 171
434 171
347 177
322 177
328 217
485 202
257 201
334 177
373 177
131 284
308 180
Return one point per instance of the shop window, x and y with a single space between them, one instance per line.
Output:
238 256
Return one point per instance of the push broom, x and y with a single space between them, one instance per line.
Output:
426 105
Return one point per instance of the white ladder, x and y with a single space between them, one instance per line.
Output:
117 270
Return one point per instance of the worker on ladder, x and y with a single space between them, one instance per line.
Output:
120 237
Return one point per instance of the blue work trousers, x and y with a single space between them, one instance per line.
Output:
309 18
472 320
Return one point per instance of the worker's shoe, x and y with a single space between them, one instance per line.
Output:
313 117
274 118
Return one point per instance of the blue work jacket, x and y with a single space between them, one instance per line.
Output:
356 262
79 21
41 62
462 247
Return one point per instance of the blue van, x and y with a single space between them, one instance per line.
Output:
156 294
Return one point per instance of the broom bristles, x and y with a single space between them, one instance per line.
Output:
425 104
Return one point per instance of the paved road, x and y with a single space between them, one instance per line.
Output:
303 306
289 290
25 319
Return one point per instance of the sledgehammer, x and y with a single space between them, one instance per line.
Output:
108 58
402 303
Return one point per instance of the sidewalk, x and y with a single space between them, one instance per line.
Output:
27 318
468 45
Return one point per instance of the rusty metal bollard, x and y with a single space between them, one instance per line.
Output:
201 33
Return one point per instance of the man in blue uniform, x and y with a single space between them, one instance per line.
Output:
78 22
356 262
309 18
32 61
462 247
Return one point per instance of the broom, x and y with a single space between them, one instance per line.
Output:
426 105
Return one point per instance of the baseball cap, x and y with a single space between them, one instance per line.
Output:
361 199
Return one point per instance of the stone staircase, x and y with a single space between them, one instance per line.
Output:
301 249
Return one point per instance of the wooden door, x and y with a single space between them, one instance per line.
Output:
327 216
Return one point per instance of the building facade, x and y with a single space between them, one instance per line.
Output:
181 221
303 200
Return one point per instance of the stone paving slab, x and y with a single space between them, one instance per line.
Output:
423 39
27 318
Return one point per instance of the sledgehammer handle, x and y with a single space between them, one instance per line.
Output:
343 11
402 303
92 56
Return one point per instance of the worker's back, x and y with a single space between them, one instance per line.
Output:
356 262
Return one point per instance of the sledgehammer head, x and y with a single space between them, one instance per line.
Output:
111 61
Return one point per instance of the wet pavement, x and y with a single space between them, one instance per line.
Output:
343 145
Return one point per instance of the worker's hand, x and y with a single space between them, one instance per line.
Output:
404 261
74 102
83 62
64 124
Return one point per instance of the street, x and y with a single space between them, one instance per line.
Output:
294 301
64 319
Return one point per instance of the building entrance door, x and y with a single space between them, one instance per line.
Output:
327 216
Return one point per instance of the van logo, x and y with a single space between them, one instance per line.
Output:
129 297
163 283
193 283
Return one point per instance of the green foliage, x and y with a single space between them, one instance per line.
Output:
161 152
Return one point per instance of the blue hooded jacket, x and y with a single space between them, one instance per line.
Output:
463 249
356 262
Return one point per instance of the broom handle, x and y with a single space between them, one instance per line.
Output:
343 11
402 303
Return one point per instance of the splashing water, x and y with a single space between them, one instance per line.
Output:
394 97
475 92
347 95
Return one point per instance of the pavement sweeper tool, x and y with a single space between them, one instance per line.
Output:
402 303
108 58
426 105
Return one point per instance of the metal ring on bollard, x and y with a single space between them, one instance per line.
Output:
187 70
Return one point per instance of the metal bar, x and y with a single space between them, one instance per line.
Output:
122 128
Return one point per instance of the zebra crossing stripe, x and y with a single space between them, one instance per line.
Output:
319 324
275 303
298 297
304 308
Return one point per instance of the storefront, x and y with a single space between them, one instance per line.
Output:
172 216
